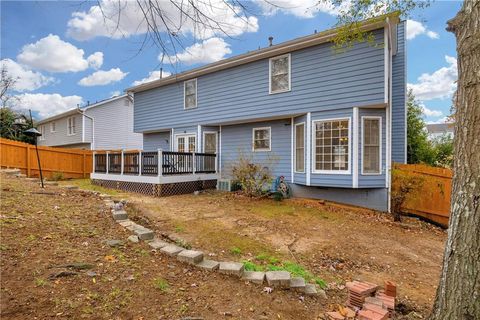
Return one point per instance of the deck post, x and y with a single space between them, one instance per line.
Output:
193 162
93 158
121 162
106 162
160 162
140 162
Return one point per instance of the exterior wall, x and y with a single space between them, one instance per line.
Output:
113 126
375 199
85 146
237 140
399 76
157 140
320 78
60 137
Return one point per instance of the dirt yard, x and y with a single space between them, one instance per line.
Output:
43 231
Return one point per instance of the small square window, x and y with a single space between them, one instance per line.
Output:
190 94
262 139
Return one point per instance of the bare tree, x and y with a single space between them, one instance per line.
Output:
7 84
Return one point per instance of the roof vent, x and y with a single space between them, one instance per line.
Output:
270 41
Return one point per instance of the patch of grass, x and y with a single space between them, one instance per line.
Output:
267 258
161 284
297 270
39 282
86 184
179 229
184 244
251 266
236 251
273 209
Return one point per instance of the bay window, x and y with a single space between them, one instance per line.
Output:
331 146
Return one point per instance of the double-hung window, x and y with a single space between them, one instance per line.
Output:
190 94
52 126
280 74
331 146
71 126
42 132
300 147
371 145
262 139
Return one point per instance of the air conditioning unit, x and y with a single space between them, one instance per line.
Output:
226 185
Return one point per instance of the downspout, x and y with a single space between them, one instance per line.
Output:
93 127
389 106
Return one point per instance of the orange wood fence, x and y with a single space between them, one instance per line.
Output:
432 201
72 163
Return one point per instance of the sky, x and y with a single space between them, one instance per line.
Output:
65 53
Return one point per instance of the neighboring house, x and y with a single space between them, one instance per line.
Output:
105 125
331 123
439 130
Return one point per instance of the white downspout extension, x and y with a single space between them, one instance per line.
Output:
309 147
355 142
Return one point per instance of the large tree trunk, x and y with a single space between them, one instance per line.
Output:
458 293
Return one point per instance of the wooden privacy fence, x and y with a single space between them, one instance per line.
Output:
432 201
71 163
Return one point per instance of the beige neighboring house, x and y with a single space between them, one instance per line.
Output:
438 130
105 125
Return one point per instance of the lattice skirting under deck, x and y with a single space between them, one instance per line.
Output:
158 190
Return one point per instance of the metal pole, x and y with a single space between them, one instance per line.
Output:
36 149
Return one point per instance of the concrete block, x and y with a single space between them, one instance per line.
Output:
190 256
125 223
172 250
310 289
114 243
297 284
144 233
32 179
254 276
157 244
69 187
119 215
278 278
234 268
50 183
209 265
133 238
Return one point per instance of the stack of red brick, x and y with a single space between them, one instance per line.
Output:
370 302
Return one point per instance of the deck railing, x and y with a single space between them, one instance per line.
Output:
147 163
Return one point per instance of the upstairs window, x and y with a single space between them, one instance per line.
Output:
280 74
71 126
190 94
262 139
331 147
41 129
52 126
371 151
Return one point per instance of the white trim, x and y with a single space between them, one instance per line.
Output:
289 73
405 86
389 122
355 134
216 140
172 138
292 148
295 147
269 139
219 170
83 127
308 157
184 96
379 118
185 135
386 63
314 147
154 179
199 142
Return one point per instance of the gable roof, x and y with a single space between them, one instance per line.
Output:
268 52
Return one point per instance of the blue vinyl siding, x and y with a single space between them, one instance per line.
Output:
155 141
332 180
398 98
237 140
321 80
371 181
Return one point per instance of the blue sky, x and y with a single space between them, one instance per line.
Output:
63 54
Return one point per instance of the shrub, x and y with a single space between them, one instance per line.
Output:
403 185
57 176
253 178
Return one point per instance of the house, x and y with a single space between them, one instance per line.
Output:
330 122
107 124
439 130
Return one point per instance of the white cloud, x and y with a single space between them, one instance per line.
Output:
415 28
25 79
123 18
441 120
440 84
55 55
153 75
298 8
115 93
429 112
208 51
46 104
100 78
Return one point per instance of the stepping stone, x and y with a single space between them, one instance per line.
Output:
133 226
114 243
278 278
144 233
209 265
133 238
254 276
69 187
50 183
234 268
119 215
310 289
297 284
171 250
190 256
158 244
125 223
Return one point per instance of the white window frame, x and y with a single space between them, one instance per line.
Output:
68 126
314 147
295 148
269 139
42 131
289 73
186 136
53 127
380 146
185 96
216 140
